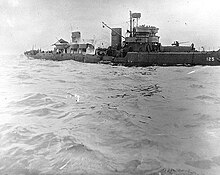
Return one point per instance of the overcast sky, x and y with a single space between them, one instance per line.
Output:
25 23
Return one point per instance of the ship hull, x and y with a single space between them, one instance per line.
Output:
141 58
170 59
66 56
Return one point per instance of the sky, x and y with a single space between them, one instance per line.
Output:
25 24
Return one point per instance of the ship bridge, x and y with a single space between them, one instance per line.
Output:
146 30
142 38
148 33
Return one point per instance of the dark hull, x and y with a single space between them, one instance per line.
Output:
141 58
66 56
170 58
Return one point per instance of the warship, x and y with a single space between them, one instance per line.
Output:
140 48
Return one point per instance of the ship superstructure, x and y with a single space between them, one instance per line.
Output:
142 38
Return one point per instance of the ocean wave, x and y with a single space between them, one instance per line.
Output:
75 118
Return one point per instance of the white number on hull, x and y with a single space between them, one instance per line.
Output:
210 59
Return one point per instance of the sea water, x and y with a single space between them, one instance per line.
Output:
76 118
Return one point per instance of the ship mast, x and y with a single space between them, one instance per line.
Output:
131 24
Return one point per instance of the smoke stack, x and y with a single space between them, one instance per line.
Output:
76 37
116 38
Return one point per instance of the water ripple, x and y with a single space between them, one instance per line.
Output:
74 118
